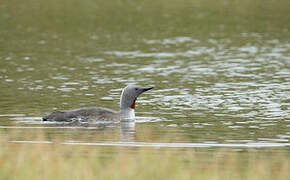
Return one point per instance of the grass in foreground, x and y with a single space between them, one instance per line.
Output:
56 161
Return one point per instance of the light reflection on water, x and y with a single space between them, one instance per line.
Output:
128 134
165 145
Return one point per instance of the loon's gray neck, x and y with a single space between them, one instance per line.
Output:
127 107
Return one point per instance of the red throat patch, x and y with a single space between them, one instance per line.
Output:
133 104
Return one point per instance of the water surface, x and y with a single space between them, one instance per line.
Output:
221 74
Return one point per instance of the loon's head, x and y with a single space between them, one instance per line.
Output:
130 94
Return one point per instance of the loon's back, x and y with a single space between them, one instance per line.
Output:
84 114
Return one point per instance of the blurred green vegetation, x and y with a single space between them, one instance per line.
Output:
57 161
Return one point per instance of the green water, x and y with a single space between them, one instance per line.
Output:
221 69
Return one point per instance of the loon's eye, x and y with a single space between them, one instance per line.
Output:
136 89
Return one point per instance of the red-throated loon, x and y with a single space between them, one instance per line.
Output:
93 114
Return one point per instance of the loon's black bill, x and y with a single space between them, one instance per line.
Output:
147 89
